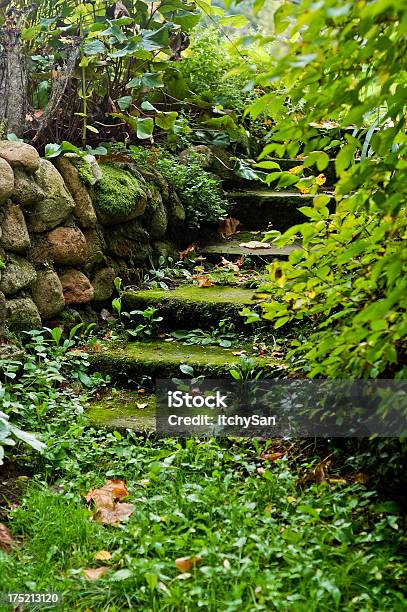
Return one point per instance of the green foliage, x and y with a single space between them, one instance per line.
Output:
34 390
199 190
118 192
143 324
222 335
318 547
166 273
345 63
208 70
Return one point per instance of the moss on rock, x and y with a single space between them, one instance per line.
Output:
160 359
119 195
192 306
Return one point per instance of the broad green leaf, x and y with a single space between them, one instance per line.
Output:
124 102
145 128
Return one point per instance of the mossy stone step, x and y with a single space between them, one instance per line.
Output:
228 247
190 306
160 359
122 409
257 210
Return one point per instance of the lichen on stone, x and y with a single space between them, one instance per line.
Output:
84 170
119 192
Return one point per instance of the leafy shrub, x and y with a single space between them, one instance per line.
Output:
38 389
118 192
199 190
349 283
206 69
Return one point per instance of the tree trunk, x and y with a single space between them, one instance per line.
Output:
13 77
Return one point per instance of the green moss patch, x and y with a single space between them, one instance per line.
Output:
124 410
191 306
160 359
118 192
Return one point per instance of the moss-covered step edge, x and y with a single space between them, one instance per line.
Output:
190 306
256 210
159 359
122 409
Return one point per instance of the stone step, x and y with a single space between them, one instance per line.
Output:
231 247
260 209
190 306
123 409
126 362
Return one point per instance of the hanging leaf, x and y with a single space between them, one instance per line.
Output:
124 102
166 120
145 128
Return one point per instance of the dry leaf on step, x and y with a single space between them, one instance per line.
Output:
185 564
190 249
230 265
228 227
255 244
6 541
202 280
96 573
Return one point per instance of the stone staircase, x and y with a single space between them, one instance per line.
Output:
192 307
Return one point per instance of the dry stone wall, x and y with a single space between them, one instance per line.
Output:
69 226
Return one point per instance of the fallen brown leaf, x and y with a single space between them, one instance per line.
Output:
202 280
190 249
255 244
228 227
230 265
116 489
113 516
271 456
102 555
108 509
185 564
95 573
6 541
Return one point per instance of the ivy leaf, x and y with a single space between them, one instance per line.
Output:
124 102
186 369
166 120
145 128
148 80
345 157
94 47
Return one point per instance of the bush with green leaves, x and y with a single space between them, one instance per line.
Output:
200 191
207 70
40 387
346 64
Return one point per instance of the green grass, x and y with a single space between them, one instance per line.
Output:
266 543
